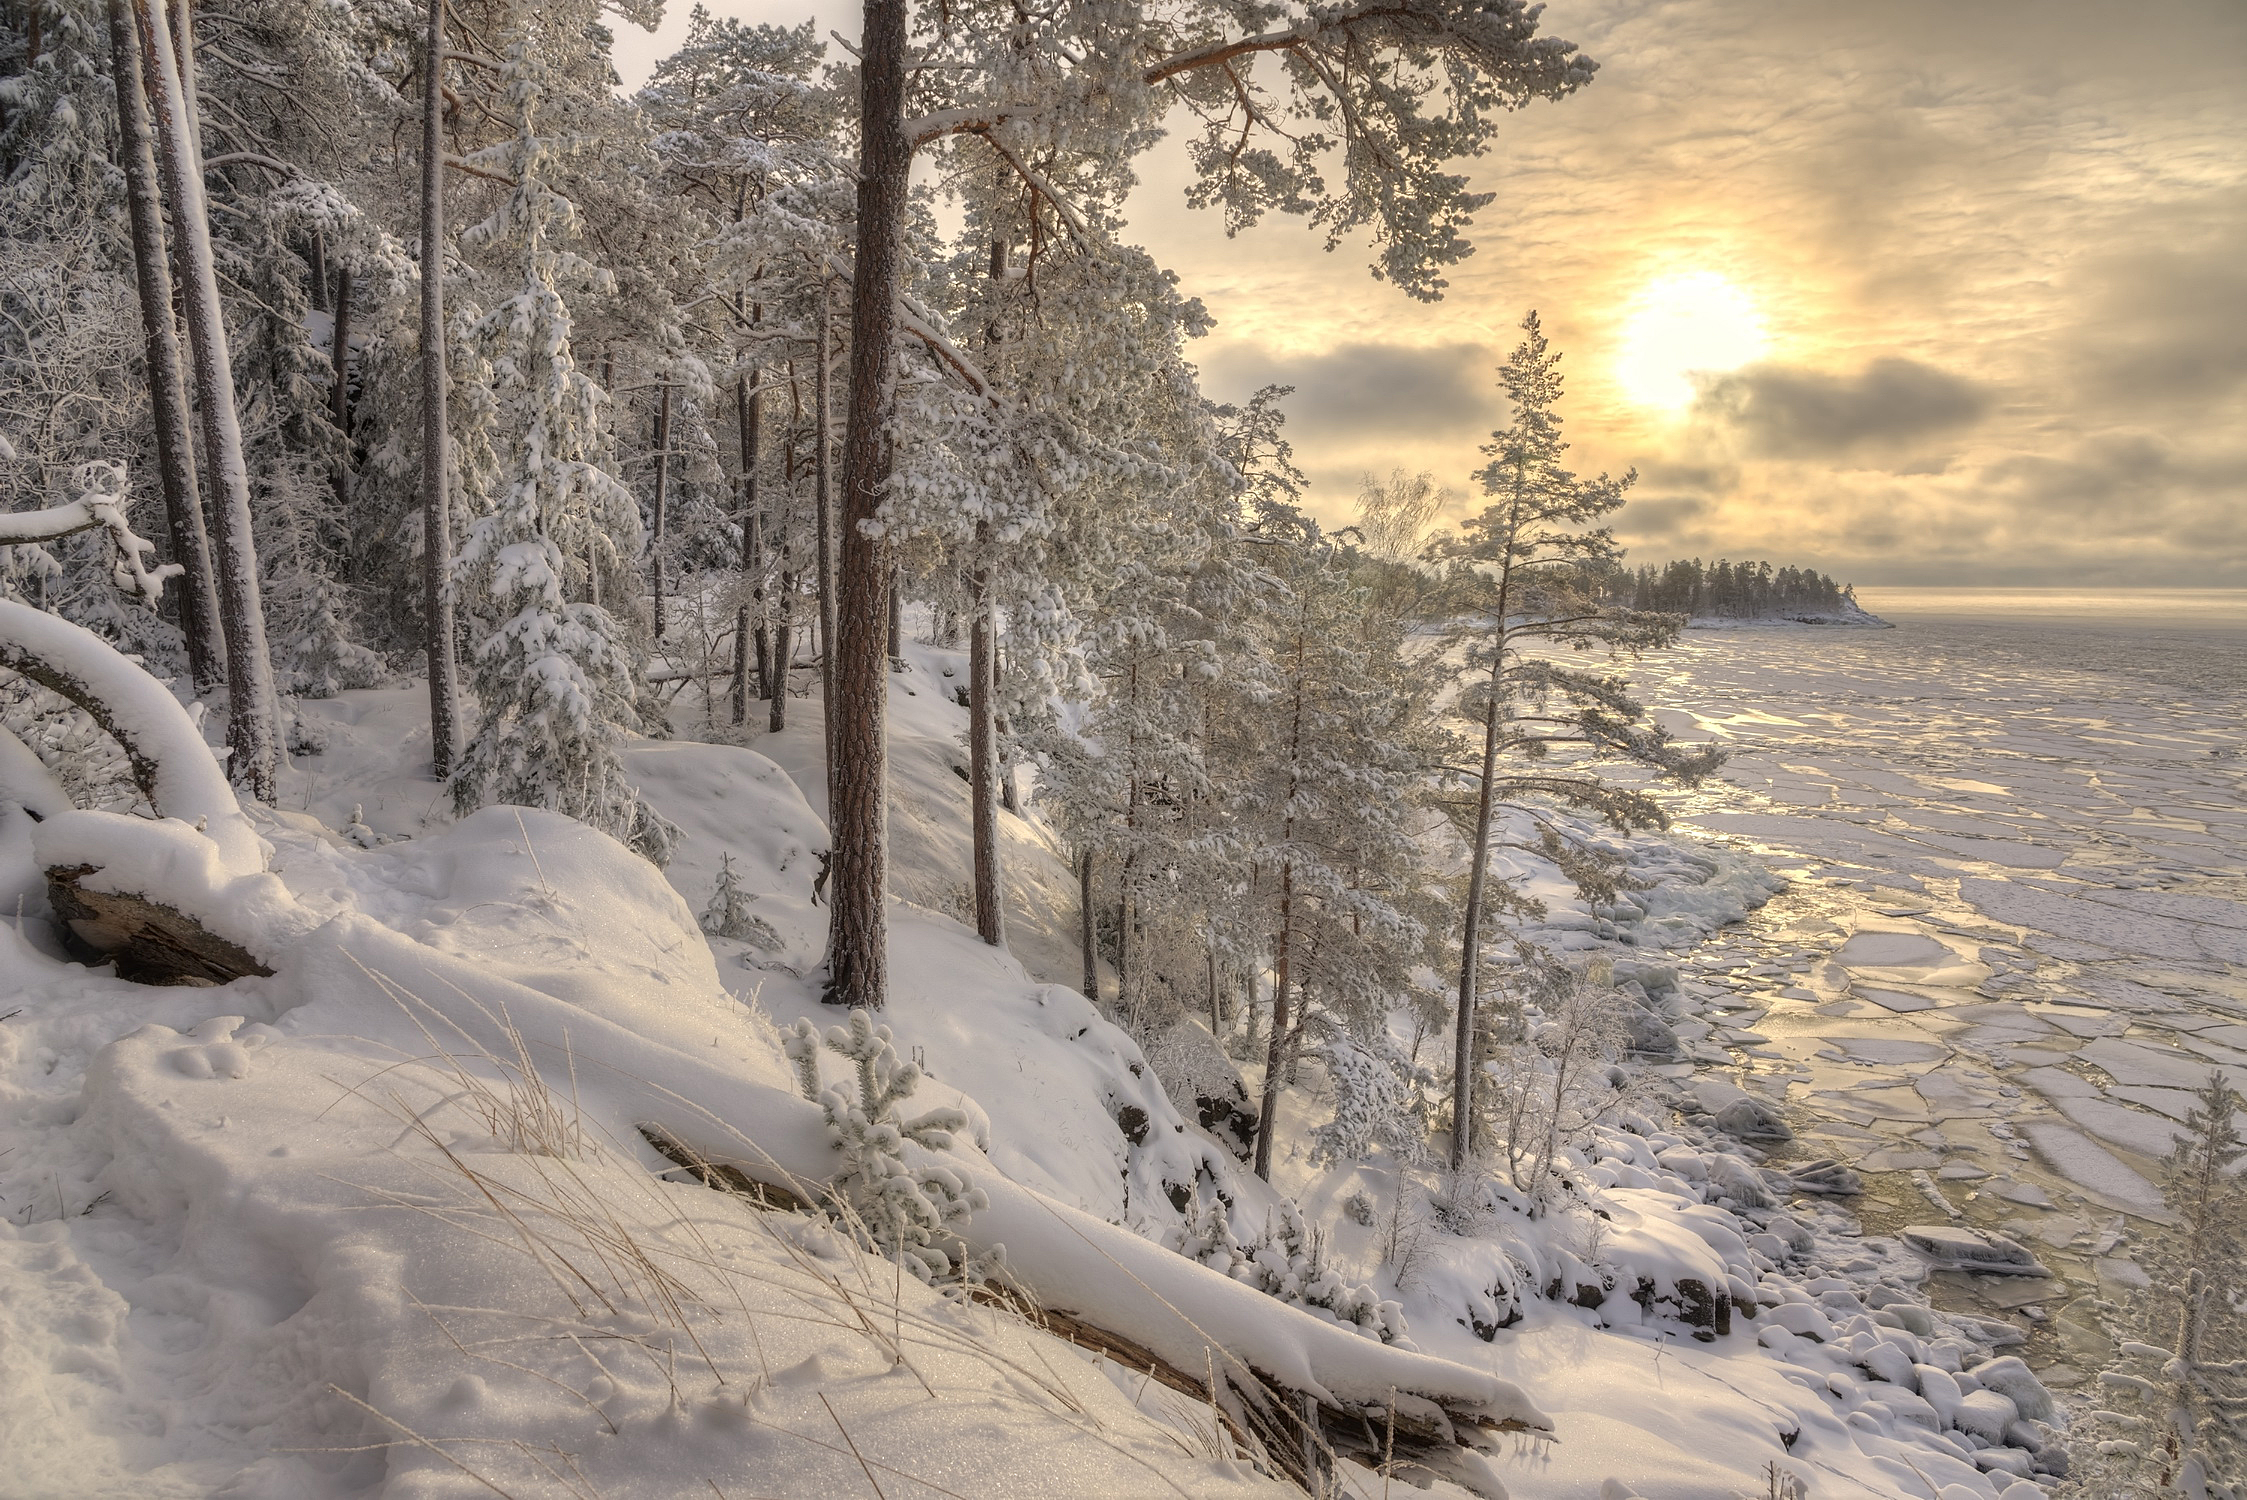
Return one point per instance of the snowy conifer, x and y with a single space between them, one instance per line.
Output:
908 1213
1526 571
732 912
2181 1371
553 675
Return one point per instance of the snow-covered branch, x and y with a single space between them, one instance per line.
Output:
101 503
175 770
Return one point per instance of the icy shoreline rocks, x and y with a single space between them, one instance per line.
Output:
1952 1247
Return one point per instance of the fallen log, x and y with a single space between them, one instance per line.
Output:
1299 1434
150 943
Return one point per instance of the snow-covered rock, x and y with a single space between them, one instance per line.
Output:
1955 1247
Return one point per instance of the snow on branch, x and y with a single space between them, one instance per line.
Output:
101 503
175 770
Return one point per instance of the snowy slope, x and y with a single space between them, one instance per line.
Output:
383 1223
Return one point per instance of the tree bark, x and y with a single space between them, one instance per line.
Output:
783 646
1470 942
823 486
339 399
253 711
167 383
662 506
1478 876
1216 1002
181 25
896 623
748 410
1087 938
858 791
436 503
983 755
1275 1052
1126 868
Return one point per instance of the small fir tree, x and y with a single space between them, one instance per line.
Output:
730 913
553 675
906 1213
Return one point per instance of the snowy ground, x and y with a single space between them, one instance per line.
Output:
271 1241
2018 933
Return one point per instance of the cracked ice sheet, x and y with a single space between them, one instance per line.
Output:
2069 815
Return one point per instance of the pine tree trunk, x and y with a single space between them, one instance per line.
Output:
760 608
858 779
896 623
1088 945
1478 877
1126 959
180 23
167 384
748 410
783 647
339 398
662 507
253 711
1010 797
983 754
1275 1052
1470 940
436 502
823 486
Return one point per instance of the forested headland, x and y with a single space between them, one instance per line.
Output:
1729 590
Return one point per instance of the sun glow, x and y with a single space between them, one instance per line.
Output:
1696 323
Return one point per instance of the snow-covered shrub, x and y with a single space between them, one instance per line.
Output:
1203 1082
729 916
1288 1261
909 1214
90 765
1375 1101
1547 1091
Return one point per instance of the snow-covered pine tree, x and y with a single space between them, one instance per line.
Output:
1328 764
554 676
903 1212
1526 571
253 710
2181 1365
732 911
1092 84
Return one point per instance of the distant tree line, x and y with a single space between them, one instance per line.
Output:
1729 590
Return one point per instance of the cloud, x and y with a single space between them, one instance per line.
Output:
2167 325
1359 390
1663 519
1786 412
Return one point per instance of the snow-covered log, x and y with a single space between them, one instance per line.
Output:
101 503
1193 1319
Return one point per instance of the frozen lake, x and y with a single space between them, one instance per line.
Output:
2017 935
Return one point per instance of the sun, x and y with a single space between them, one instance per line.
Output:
1697 322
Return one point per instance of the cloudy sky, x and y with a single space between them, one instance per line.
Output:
1928 291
